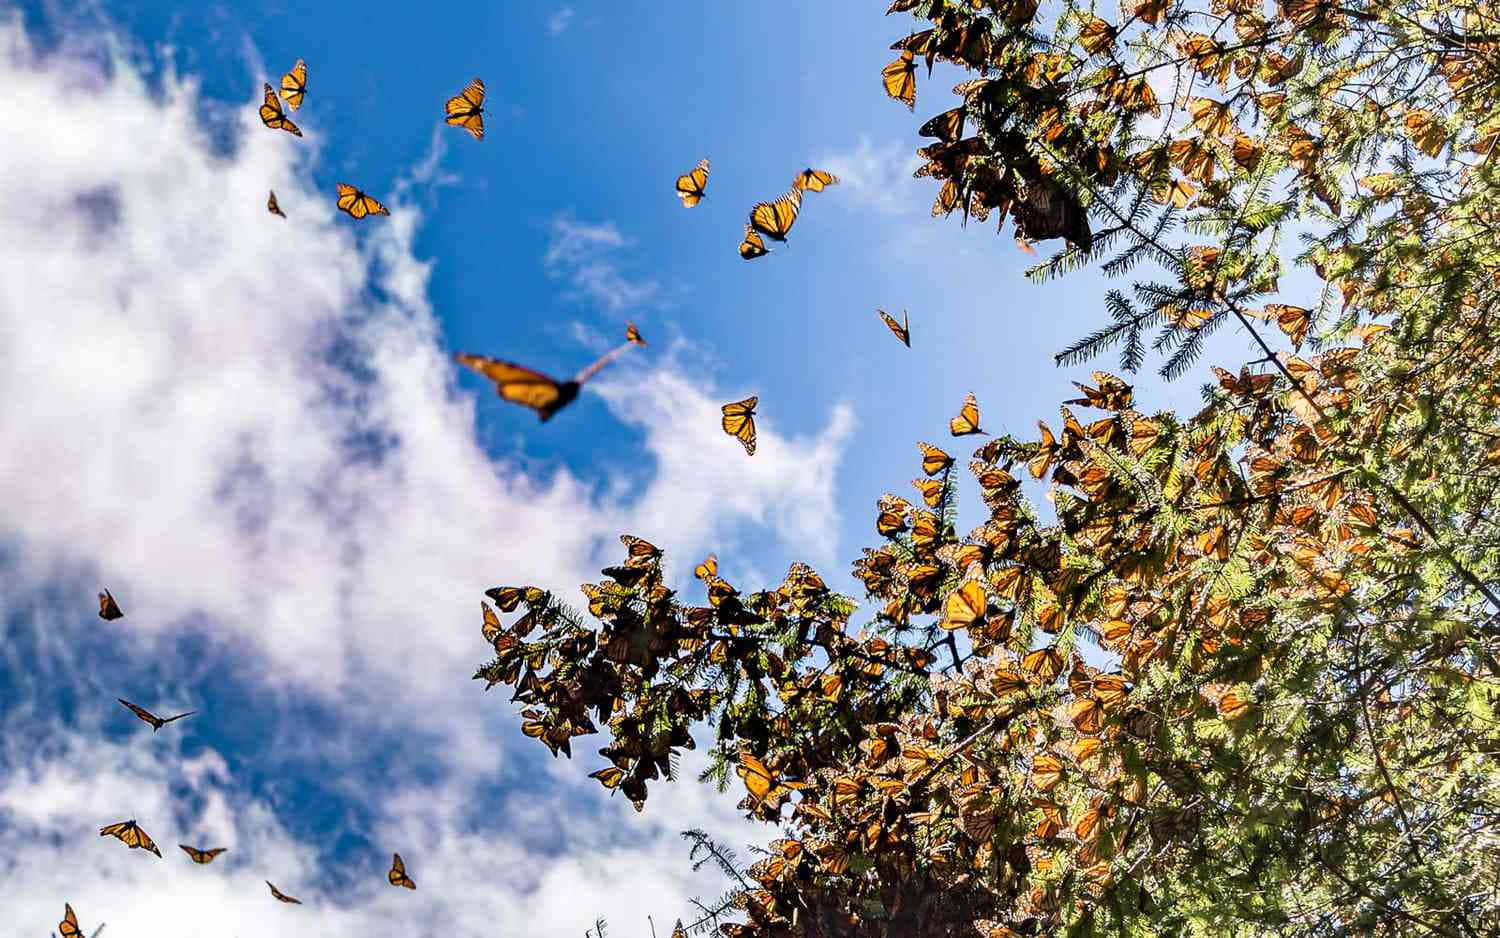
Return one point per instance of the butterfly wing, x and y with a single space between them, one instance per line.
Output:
899 329
517 384
693 186
397 875
108 608
752 246
813 180
281 896
273 116
466 109
145 715
68 927
900 79
967 421
273 206
294 85
739 422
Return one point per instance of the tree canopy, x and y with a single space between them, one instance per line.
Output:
1291 596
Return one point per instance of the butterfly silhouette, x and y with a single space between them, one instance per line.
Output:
108 608
149 717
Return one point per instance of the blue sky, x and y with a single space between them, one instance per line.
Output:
250 429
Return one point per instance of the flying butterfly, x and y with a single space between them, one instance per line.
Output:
813 180
358 205
775 219
900 79
149 717
202 857
273 206
545 395
397 875
130 835
274 117
294 85
466 109
967 420
281 896
633 335
108 608
752 246
693 186
739 422
901 330
708 569
68 927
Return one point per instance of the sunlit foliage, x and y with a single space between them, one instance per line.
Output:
1286 720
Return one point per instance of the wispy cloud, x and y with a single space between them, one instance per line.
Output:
247 427
585 257
560 20
878 176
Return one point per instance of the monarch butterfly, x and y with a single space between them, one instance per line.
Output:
708 569
775 219
900 79
397 875
466 109
492 629
752 247
202 856
934 460
967 420
545 395
281 896
273 206
294 85
633 335
947 126
610 776
149 717
357 204
68 927
108 608
901 330
693 186
274 117
813 180
739 422
130 835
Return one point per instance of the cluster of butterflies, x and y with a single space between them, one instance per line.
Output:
465 109
131 835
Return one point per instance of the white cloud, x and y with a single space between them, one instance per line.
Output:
246 427
559 21
878 176
585 257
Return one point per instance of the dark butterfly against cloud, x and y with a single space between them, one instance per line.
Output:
273 206
130 835
149 717
202 856
281 896
108 608
397 876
